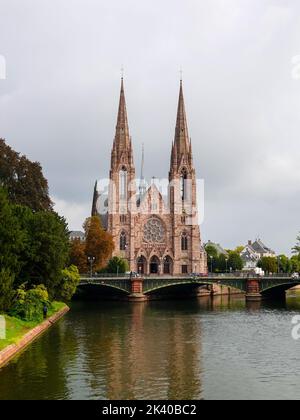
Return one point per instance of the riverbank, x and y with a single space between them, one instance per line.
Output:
19 334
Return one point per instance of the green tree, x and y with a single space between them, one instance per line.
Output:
47 250
6 290
268 264
23 180
99 243
284 264
11 236
212 257
222 264
69 281
117 265
295 264
296 249
235 261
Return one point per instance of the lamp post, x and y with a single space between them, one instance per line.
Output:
226 259
278 264
211 263
91 260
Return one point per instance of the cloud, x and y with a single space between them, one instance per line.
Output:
58 104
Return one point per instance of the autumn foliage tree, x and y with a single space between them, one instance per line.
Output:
77 255
99 243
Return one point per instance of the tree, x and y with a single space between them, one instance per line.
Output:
296 249
235 261
47 250
69 281
295 264
212 257
99 243
117 265
77 255
221 263
284 264
268 264
6 290
11 236
23 180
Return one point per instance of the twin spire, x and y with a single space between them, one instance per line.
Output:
181 145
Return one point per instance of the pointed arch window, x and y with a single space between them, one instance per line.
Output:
123 183
123 244
183 184
184 242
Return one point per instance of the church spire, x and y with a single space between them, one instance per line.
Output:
182 143
122 139
142 187
95 200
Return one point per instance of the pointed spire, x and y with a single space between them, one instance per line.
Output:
122 139
142 187
95 200
181 132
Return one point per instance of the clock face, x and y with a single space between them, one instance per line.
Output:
154 231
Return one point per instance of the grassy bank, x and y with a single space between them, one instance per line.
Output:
17 328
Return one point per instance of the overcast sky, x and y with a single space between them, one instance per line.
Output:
58 104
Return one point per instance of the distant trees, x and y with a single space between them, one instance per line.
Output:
117 265
220 262
23 180
268 264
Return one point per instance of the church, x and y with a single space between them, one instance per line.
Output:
157 233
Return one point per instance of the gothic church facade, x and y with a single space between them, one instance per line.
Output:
158 235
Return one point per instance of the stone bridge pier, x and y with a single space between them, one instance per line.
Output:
253 292
137 294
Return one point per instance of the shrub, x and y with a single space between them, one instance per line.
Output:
29 304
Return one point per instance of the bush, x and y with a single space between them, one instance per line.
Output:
68 284
29 304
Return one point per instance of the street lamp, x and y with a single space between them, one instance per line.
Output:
226 259
91 260
211 263
278 265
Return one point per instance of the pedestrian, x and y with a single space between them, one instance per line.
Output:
45 310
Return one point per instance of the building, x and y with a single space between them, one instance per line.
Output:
156 235
77 235
253 252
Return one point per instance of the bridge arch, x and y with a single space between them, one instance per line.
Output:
278 290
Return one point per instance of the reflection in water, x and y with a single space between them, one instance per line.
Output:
159 350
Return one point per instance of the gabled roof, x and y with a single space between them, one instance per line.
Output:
152 196
261 248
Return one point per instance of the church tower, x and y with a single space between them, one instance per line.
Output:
189 255
122 188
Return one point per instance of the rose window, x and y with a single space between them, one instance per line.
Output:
154 231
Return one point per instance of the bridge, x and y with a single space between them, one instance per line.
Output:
143 288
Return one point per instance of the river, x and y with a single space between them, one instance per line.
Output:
191 349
